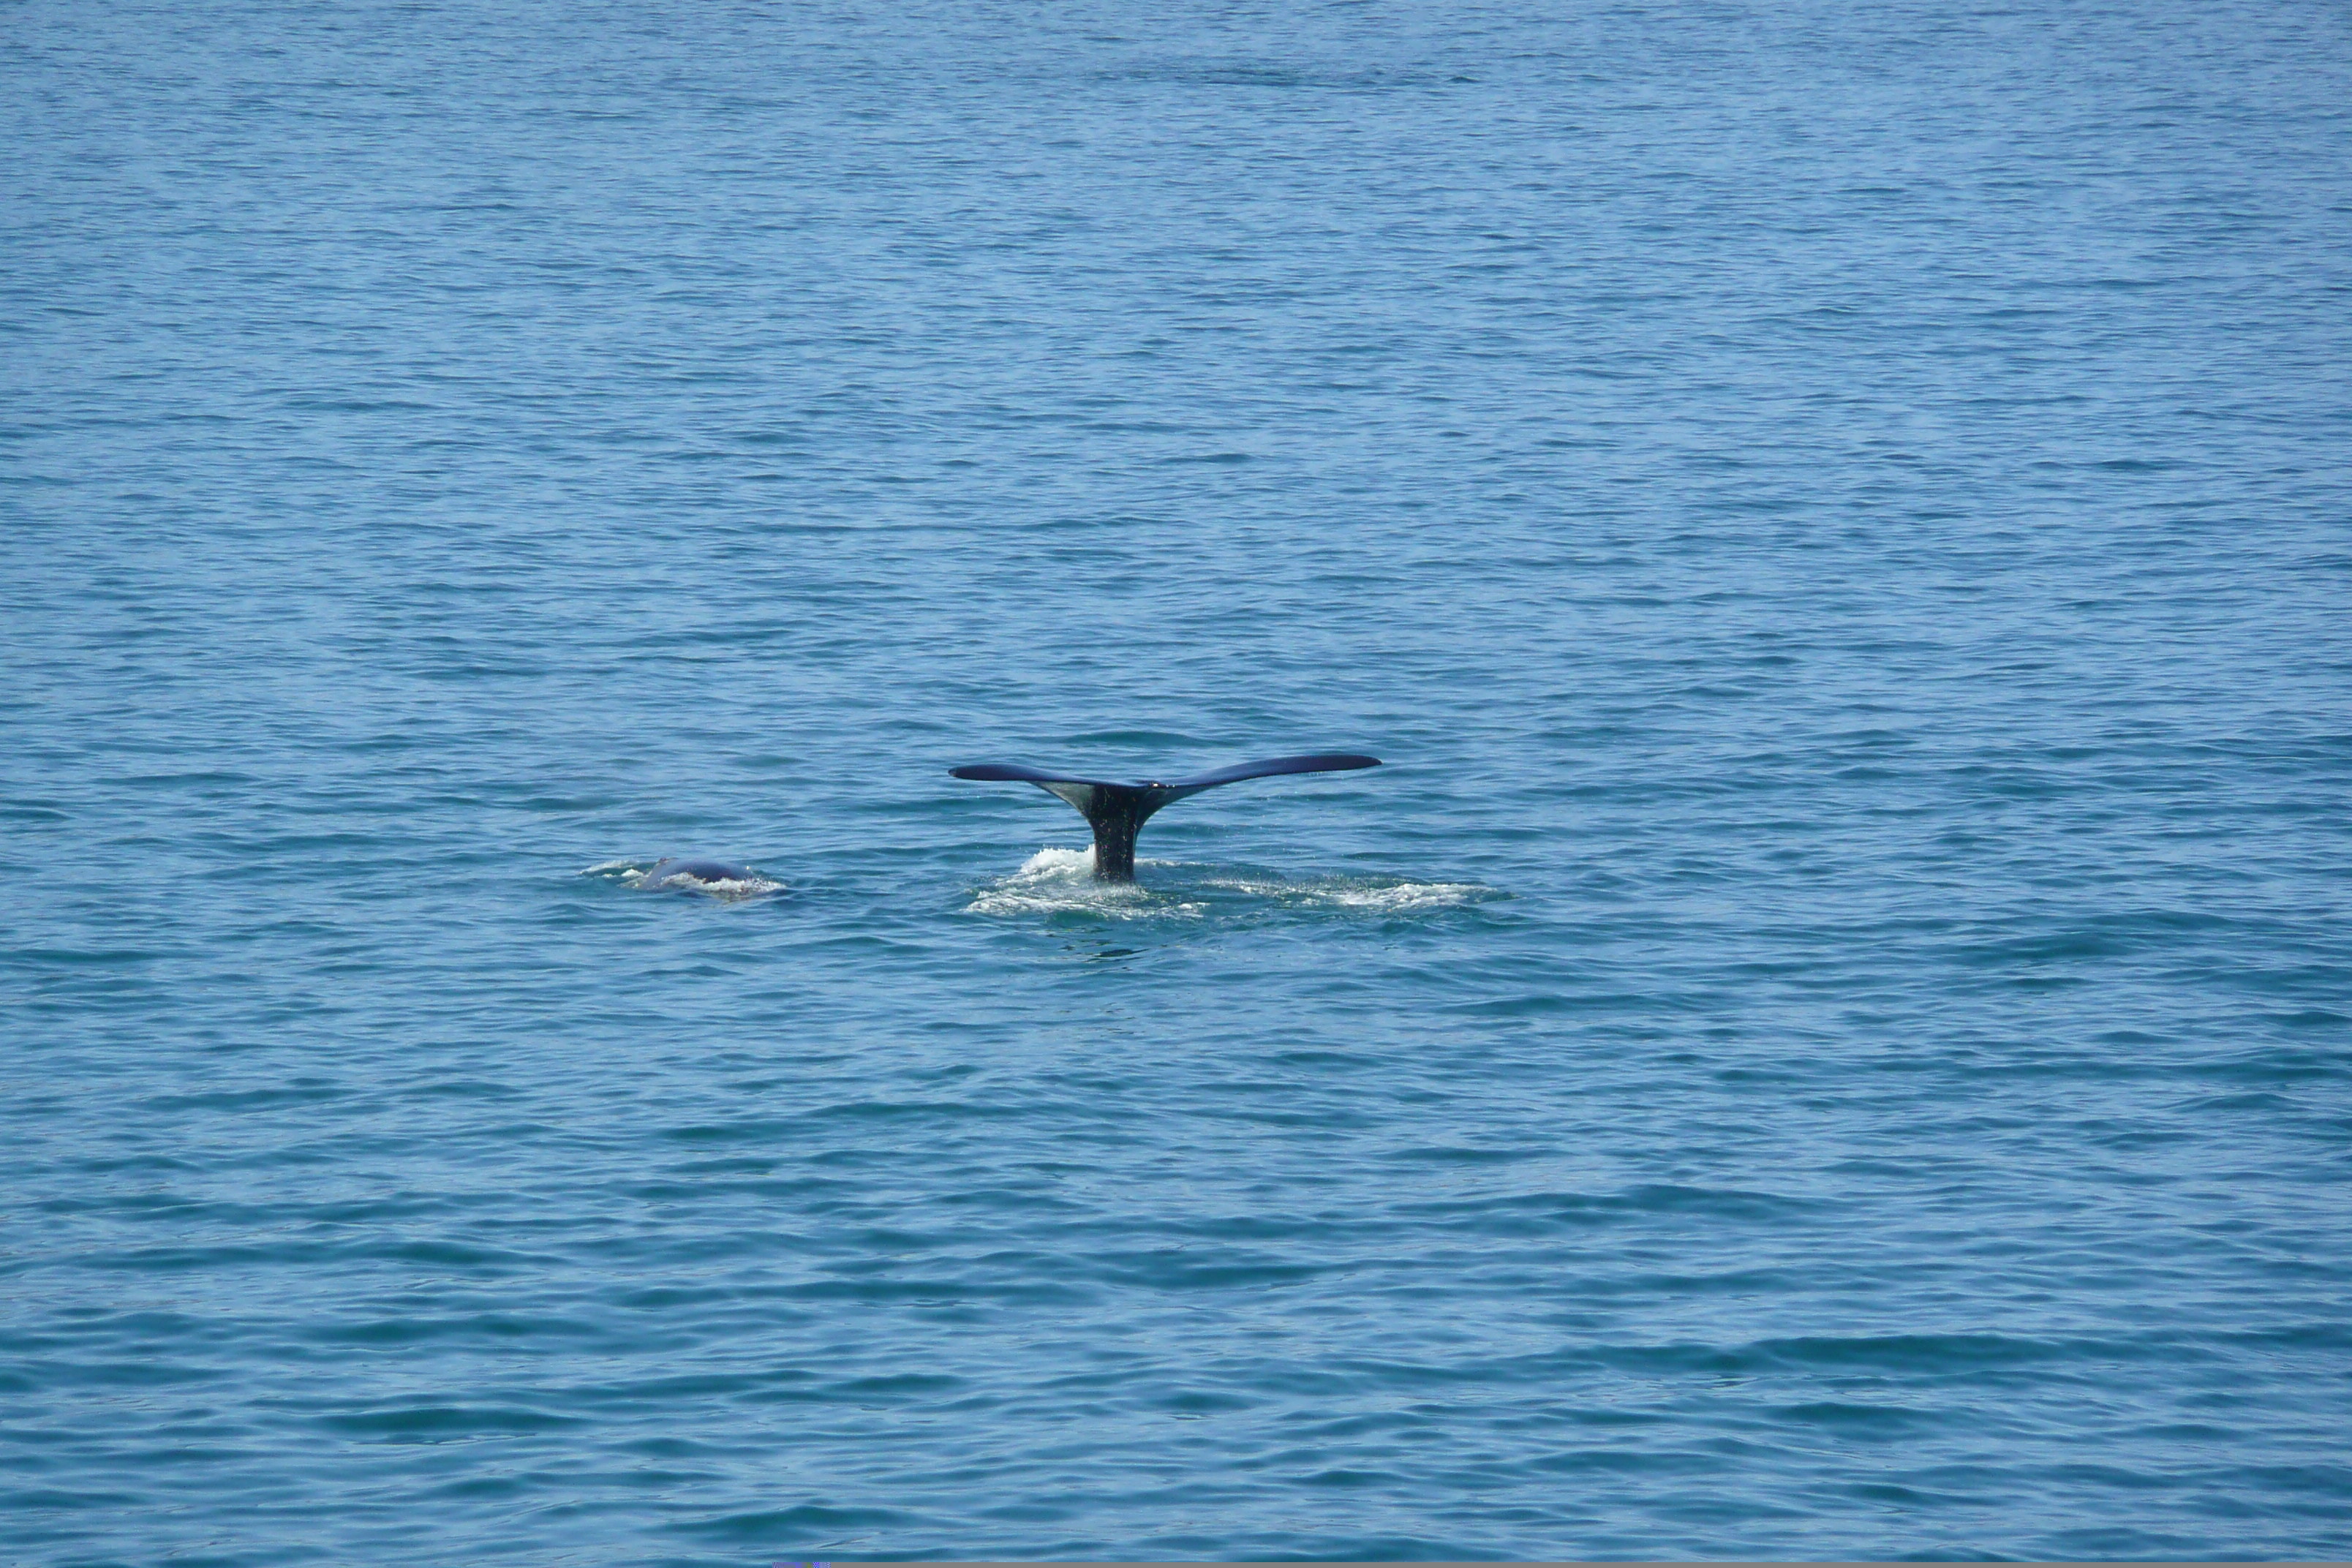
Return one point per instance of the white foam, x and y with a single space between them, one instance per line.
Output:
1407 896
1064 863
1389 898
1053 880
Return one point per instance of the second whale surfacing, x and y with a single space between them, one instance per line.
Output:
682 872
1117 811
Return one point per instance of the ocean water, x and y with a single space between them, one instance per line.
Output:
1828 1037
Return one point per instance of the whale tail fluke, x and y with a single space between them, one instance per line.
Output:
1117 811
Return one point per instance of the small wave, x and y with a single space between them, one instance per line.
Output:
1380 894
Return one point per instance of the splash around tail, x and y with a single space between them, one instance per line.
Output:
1117 811
1058 881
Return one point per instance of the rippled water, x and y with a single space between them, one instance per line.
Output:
1827 1038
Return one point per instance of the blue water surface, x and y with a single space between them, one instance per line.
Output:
1827 1038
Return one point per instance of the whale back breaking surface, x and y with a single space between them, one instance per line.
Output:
678 870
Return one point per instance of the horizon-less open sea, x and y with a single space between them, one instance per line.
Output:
1827 1038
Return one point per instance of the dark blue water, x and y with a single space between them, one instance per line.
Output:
1827 1038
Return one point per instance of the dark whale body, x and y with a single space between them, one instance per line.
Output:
684 873
1117 811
